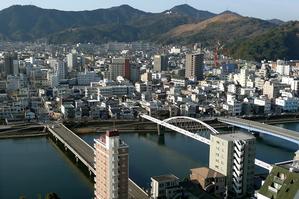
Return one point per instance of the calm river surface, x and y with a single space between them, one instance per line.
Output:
35 166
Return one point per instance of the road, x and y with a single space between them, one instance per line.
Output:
286 134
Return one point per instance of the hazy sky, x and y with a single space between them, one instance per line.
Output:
266 9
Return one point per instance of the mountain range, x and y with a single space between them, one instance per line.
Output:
243 37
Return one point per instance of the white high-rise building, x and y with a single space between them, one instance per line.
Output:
243 76
282 68
71 61
233 155
59 68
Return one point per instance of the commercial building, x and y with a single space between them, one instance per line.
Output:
288 104
272 89
85 78
194 66
112 167
160 63
233 156
11 66
119 67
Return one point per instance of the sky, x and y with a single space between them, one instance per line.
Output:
265 9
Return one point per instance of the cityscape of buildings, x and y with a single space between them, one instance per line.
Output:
43 83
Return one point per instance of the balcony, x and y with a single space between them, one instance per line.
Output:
272 189
237 179
238 160
239 153
239 146
237 173
237 183
237 189
237 165
278 180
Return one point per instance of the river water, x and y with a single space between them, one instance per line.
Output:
35 166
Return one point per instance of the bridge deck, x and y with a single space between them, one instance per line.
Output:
86 154
286 134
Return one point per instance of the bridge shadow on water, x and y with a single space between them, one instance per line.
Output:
70 158
273 142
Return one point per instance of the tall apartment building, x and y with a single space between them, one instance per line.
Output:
59 68
243 76
111 164
72 61
194 66
272 88
160 63
11 65
233 156
119 67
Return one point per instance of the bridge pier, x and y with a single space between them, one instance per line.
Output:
160 130
256 134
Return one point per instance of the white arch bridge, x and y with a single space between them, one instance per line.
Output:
194 129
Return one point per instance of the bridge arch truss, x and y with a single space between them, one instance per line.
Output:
192 125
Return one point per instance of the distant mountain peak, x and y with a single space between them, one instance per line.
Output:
229 12
183 6
126 6
191 12
276 21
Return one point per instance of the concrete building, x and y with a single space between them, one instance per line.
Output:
194 66
119 67
112 167
160 63
147 76
59 68
288 104
272 89
233 156
211 181
263 104
243 76
85 78
165 186
71 61
11 66
282 68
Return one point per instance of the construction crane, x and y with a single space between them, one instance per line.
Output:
217 50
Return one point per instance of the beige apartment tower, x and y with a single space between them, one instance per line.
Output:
111 164
160 63
233 156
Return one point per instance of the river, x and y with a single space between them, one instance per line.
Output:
35 166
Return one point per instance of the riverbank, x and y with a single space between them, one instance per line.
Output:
27 135
23 133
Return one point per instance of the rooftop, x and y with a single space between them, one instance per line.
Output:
164 178
289 184
236 136
206 172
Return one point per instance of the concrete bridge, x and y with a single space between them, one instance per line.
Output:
85 153
274 131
